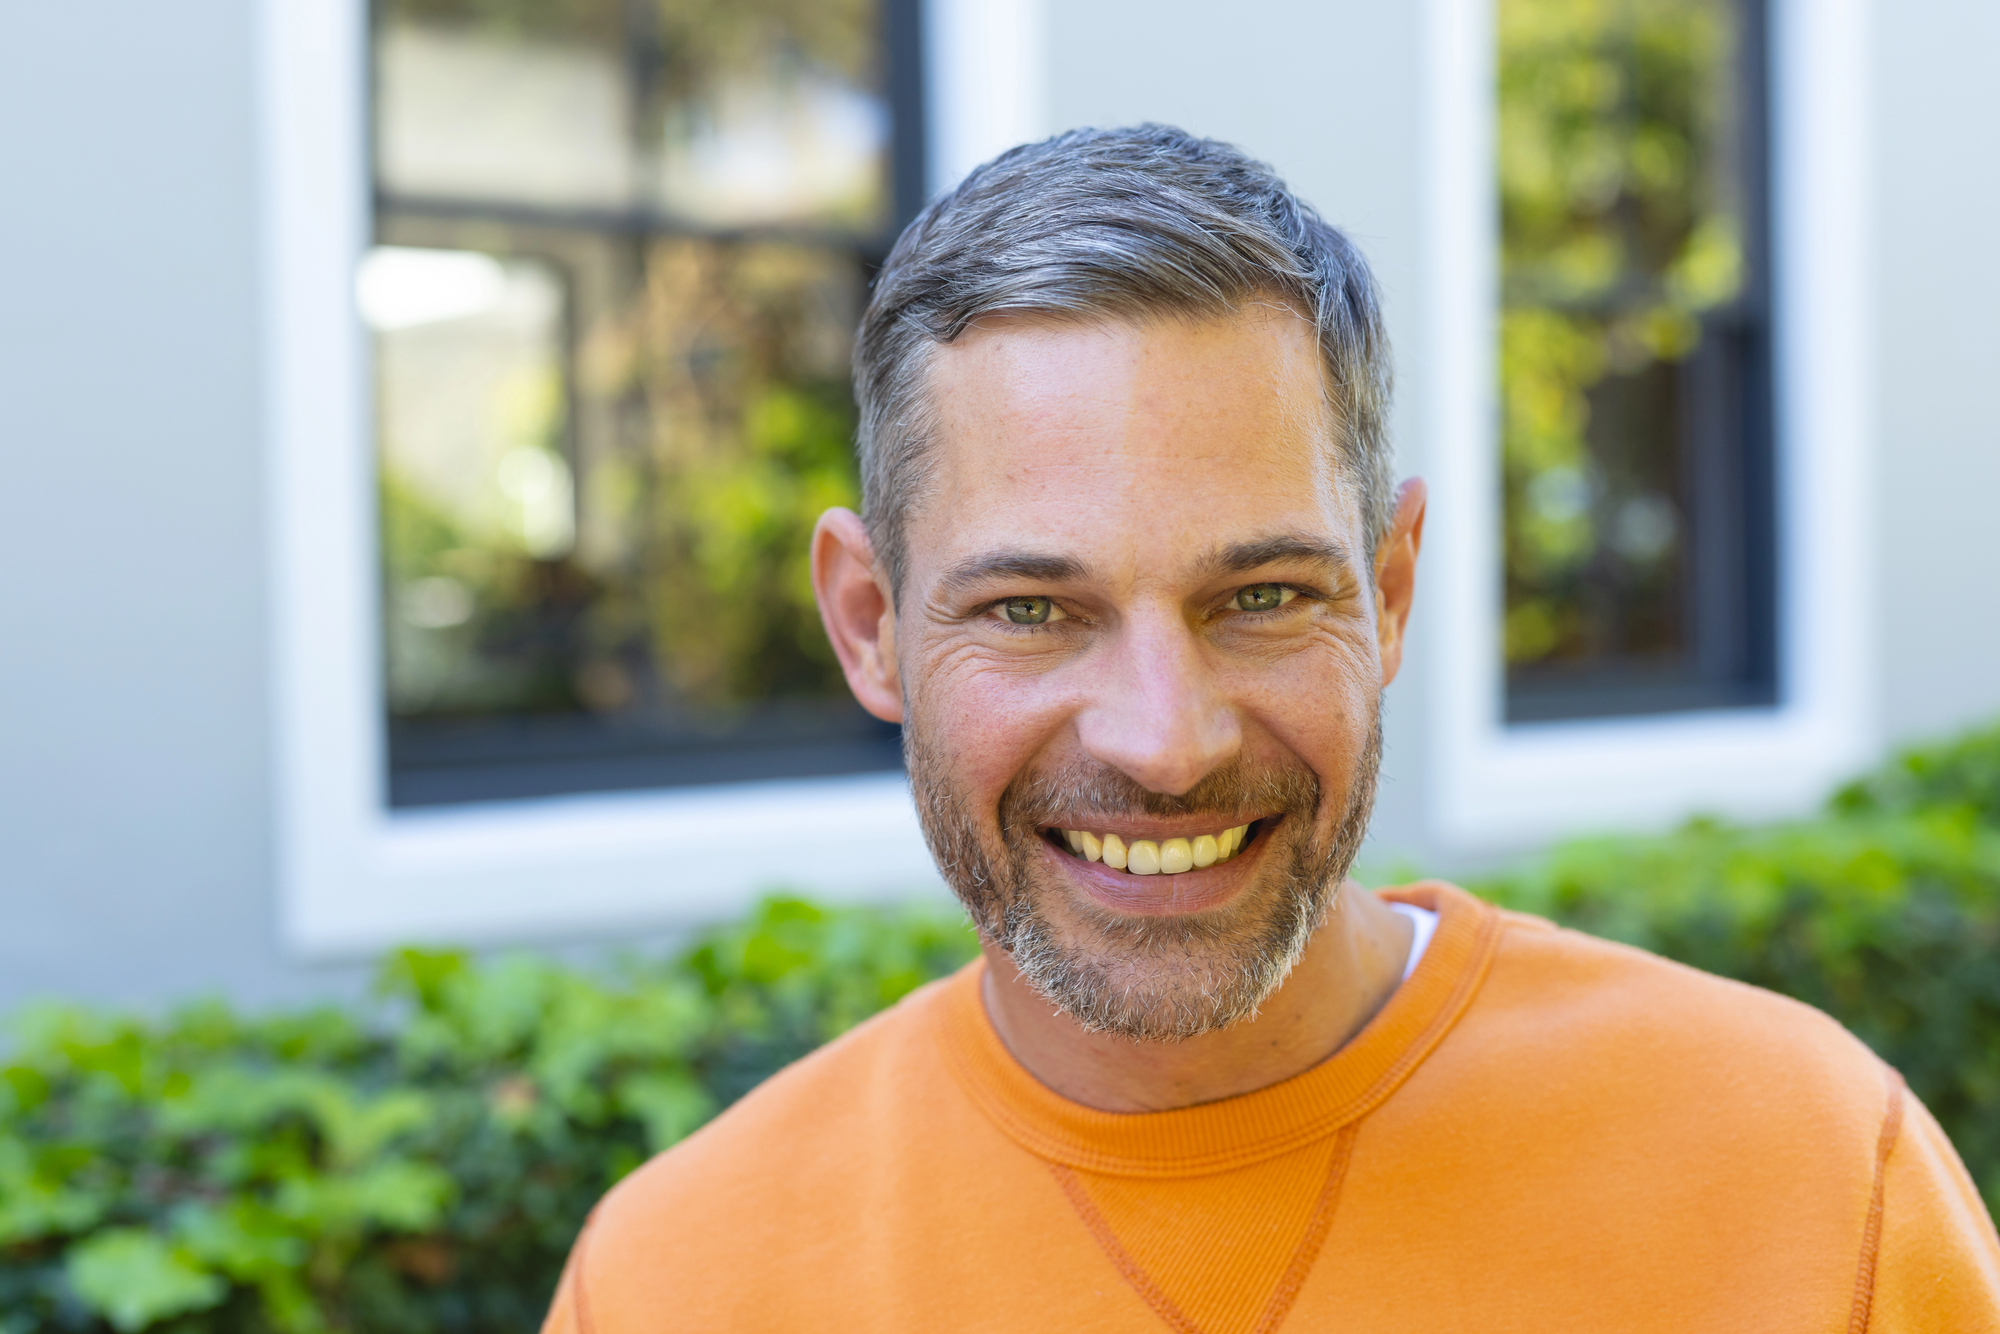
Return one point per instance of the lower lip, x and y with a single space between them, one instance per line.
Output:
1160 895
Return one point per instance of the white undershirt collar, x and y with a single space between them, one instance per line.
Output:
1424 924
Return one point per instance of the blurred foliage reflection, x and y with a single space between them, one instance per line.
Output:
688 569
1625 202
621 253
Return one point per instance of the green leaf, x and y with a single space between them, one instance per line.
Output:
39 1196
397 1195
421 975
242 1239
671 1105
134 1279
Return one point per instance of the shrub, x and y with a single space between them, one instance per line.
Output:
423 1166
1963 774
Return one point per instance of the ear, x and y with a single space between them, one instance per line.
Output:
858 610
1396 575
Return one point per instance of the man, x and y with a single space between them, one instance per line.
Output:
1132 574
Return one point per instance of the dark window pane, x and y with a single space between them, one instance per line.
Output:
1635 422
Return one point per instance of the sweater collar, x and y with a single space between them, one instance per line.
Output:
1233 1132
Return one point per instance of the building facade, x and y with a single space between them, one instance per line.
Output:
198 753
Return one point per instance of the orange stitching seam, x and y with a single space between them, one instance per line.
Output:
579 1299
1294 1277
1871 1235
1100 1228
1289 1283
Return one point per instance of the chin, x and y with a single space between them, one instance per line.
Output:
1160 963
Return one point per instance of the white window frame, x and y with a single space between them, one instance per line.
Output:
1495 785
355 876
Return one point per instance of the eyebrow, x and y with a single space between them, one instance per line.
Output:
1240 557
976 571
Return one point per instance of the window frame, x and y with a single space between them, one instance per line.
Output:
1494 784
354 875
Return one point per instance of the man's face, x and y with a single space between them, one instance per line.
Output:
1136 611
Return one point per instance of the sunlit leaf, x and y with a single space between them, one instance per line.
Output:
134 1279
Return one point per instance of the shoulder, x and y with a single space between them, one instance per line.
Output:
1545 995
817 1193
771 1207
1602 990
1713 1146
1642 1032
818 1116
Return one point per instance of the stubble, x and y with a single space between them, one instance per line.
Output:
1152 978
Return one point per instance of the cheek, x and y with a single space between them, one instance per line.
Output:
1318 705
987 723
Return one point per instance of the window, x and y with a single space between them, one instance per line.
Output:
1754 692
1635 358
619 252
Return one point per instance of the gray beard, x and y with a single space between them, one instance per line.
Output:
1155 979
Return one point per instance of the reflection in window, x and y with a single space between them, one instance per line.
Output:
1634 357
620 252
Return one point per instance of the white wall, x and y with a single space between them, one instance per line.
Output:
1937 117
134 843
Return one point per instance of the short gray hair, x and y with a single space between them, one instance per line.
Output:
1126 223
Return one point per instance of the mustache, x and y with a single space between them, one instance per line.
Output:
1084 787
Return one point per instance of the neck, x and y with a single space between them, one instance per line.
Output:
1347 973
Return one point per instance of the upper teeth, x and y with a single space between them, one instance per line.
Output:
1142 856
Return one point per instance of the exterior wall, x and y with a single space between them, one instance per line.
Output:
136 856
134 842
1936 110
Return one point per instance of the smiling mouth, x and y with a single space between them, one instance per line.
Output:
1145 856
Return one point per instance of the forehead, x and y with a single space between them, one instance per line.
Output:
1132 446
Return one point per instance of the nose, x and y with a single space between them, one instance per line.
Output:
1157 711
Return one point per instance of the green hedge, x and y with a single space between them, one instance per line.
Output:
423 1163
422 1166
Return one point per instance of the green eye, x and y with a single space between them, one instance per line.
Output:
1028 611
1263 597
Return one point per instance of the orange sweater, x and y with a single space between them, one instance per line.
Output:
1540 1131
